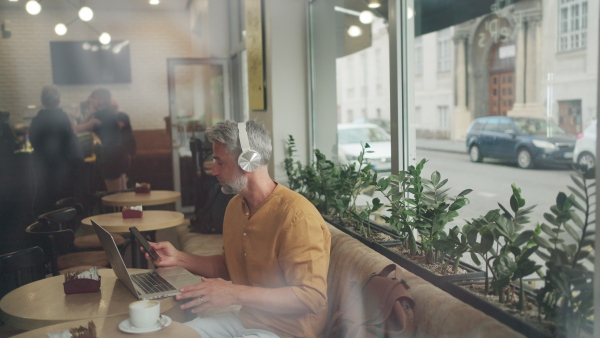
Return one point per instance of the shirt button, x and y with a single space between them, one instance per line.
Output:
247 213
244 234
244 254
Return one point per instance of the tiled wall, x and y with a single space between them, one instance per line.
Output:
154 36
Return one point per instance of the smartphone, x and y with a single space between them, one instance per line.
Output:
140 238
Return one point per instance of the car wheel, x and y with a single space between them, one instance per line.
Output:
475 154
587 159
524 159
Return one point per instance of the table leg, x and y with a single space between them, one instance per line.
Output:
138 261
137 258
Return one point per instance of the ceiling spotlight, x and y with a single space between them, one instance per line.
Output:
33 7
366 17
86 13
374 4
154 2
354 31
60 29
104 38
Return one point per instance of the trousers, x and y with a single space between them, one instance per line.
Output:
226 325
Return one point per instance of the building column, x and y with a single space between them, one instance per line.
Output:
462 116
528 68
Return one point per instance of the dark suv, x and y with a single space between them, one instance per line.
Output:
527 141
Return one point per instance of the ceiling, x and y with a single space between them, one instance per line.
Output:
103 4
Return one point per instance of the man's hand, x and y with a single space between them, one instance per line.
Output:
213 292
166 252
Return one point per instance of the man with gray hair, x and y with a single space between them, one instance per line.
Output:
275 248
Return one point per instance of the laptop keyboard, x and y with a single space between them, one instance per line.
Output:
151 282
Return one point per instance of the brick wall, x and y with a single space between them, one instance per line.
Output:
154 36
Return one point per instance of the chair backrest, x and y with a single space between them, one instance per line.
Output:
21 267
54 242
64 218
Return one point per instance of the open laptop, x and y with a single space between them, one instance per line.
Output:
162 282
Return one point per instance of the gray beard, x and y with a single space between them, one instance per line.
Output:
235 186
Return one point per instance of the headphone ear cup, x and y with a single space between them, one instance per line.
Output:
249 160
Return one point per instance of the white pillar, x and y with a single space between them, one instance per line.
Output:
462 115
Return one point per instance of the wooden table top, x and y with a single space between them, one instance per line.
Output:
44 302
109 327
150 220
127 199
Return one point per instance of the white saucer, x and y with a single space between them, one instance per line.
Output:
126 326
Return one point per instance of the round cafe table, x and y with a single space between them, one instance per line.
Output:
44 302
109 327
150 221
128 199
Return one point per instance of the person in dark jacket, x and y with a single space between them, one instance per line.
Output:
58 157
112 158
127 138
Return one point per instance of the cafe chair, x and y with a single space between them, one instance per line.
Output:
70 218
59 251
17 269
21 267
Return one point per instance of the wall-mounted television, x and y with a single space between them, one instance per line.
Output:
90 62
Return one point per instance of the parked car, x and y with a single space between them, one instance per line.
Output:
585 147
526 141
350 138
382 123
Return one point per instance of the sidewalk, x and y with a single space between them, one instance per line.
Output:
442 145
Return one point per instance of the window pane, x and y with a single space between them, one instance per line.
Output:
355 99
500 98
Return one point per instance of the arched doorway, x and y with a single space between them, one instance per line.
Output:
502 78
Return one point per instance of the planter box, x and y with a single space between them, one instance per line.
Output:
428 275
492 310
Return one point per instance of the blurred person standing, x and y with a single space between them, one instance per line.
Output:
127 138
57 153
102 120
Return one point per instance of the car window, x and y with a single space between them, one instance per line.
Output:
492 125
504 125
538 127
477 125
358 135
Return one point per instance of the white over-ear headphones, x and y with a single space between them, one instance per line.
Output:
249 159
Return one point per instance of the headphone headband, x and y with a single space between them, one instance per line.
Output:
249 159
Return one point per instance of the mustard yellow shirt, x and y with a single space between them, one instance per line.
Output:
285 243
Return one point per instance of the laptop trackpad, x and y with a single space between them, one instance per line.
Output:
178 276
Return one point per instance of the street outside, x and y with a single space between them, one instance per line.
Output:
491 183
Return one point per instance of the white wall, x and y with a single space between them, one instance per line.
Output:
286 80
154 36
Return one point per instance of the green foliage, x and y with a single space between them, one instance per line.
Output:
505 249
334 189
567 295
421 205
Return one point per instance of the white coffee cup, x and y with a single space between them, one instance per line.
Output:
144 313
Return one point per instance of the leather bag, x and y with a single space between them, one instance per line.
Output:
382 307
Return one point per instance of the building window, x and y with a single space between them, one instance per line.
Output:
418 56
444 119
443 44
572 25
417 115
